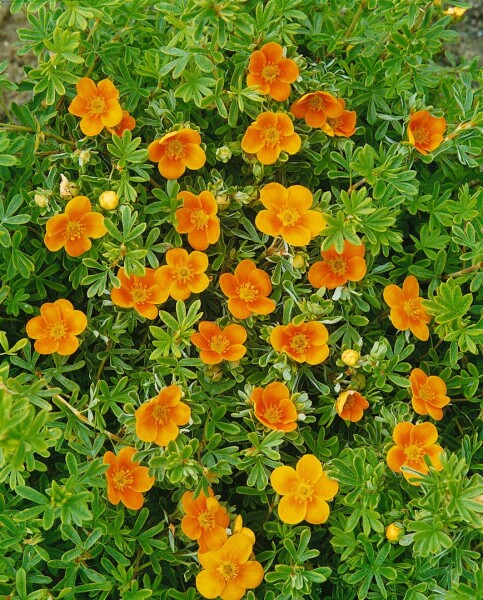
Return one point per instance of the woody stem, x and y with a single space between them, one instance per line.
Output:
48 134
464 271
354 186
355 20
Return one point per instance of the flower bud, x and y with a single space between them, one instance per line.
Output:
394 533
223 201
41 200
214 372
299 261
109 200
223 154
83 156
350 357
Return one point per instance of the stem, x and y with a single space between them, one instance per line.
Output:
49 134
354 186
355 20
464 271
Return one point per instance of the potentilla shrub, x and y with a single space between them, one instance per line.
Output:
240 297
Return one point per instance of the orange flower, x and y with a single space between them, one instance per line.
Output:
407 311
73 228
428 394
238 528
247 290
342 126
127 123
288 214
227 572
274 407
413 443
269 135
198 219
126 480
98 105
316 107
218 344
205 520
338 268
306 342
271 72
177 150
140 292
350 405
184 274
305 491
157 420
56 328
425 132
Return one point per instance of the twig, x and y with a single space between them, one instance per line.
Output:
464 271
48 134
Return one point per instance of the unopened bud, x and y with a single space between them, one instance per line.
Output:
84 156
350 357
299 261
223 154
223 201
394 533
41 200
109 200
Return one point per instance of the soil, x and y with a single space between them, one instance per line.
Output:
469 46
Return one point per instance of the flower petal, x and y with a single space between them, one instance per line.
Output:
291 511
309 468
317 511
284 480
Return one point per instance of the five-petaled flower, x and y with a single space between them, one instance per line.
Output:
270 134
316 108
140 292
127 123
56 328
198 219
184 274
205 520
428 394
304 490
247 290
158 419
306 342
98 105
413 443
126 479
216 344
407 311
343 125
425 132
350 405
228 572
338 268
177 150
288 214
272 73
73 228
273 406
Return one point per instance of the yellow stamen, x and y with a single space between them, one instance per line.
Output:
270 73
304 491
289 216
161 414
228 570
175 149
73 230
247 292
271 136
58 331
206 520
140 294
199 219
338 265
219 343
300 343
96 106
121 479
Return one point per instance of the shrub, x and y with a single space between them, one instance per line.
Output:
240 278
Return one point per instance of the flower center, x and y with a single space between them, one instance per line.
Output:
271 136
272 414
420 135
73 230
426 393
199 219
304 491
316 103
161 414
349 400
219 343
412 308
334 123
247 292
228 570
289 216
121 479
338 265
414 452
300 343
175 149
96 106
183 273
206 520
270 73
140 294
58 331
